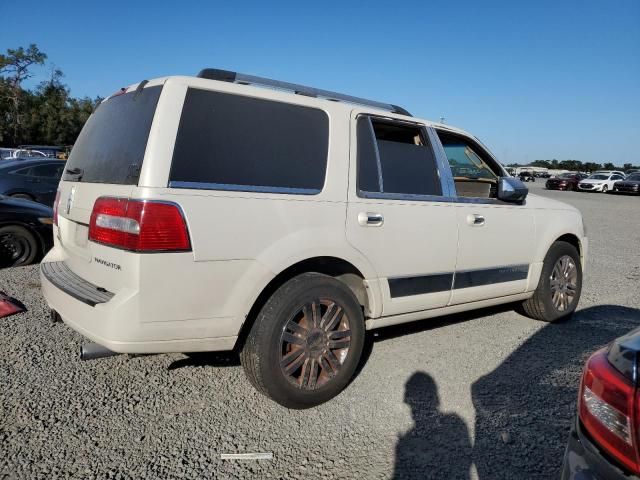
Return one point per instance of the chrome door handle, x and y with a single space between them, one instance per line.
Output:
475 220
368 219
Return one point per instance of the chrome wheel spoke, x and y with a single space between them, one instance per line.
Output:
334 320
339 339
332 360
296 328
312 378
291 338
315 314
292 361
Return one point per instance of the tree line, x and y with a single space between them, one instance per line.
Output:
45 115
576 165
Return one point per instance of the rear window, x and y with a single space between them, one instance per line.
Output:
111 146
231 142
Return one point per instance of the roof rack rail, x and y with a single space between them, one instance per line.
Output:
243 79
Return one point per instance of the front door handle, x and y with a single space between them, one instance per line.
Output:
475 220
368 219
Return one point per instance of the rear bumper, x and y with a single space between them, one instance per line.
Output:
115 324
584 461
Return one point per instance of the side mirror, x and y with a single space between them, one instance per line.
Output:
512 190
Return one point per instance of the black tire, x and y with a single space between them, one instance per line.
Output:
23 196
266 352
605 188
18 246
541 306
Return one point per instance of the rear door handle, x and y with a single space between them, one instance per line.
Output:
475 220
368 219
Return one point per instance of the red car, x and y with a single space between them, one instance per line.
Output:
566 181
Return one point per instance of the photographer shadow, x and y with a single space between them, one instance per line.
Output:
438 446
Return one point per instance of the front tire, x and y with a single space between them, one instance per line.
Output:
559 287
306 342
605 189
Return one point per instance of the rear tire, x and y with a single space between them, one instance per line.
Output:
306 342
559 287
18 246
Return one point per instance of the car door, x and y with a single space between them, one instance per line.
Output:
495 239
613 179
397 214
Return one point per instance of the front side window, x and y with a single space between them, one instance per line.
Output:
395 158
232 142
471 167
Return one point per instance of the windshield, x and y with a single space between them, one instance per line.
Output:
567 175
634 177
112 143
598 176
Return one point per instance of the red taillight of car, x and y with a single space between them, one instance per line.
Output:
139 225
55 208
606 409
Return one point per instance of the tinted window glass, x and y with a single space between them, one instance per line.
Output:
403 163
243 143
22 171
111 145
51 170
368 179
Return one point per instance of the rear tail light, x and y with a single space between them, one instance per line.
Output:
139 225
55 208
606 410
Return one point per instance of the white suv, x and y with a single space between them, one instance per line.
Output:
227 211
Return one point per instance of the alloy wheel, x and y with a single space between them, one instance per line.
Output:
314 344
564 280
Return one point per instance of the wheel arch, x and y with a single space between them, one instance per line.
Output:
335 267
571 239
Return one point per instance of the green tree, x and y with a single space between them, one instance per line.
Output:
592 167
609 166
14 69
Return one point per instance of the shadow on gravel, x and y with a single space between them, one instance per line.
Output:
207 359
525 407
438 446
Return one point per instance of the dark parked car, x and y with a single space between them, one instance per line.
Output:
604 440
566 181
31 179
631 184
26 231
527 177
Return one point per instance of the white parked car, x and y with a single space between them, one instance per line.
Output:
212 213
600 182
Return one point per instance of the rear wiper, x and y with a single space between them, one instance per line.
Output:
75 172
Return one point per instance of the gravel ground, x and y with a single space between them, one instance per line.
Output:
484 395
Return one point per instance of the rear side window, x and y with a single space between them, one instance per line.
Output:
231 142
395 158
49 170
112 143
